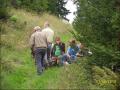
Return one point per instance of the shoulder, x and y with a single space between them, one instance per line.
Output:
50 29
43 30
46 29
33 34
69 48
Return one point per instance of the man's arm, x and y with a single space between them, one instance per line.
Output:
32 41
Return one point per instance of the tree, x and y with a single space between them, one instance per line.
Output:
3 9
57 7
61 10
98 25
98 21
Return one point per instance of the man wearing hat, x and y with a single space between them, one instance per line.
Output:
38 40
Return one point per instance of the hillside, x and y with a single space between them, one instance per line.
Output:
18 70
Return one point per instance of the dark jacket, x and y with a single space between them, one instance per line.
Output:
61 46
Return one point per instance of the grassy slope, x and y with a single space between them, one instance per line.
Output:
18 69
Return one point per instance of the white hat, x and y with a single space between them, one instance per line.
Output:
37 28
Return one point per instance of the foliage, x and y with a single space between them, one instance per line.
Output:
105 78
98 21
3 9
81 75
103 56
14 18
55 7
97 25
58 8
18 70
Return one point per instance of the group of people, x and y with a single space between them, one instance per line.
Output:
47 52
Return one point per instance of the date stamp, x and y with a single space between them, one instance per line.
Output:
105 82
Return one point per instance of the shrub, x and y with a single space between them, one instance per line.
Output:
3 13
14 18
109 80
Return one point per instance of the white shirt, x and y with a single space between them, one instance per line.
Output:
49 34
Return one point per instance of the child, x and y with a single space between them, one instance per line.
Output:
57 51
72 51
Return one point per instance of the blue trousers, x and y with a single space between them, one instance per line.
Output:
39 57
70 60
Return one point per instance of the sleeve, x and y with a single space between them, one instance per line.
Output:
32 41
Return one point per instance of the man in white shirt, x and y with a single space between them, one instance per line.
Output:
50 36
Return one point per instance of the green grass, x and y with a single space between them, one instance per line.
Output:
19 71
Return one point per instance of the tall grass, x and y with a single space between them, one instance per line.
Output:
18 70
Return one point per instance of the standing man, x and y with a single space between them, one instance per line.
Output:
39 41
50 35
33 48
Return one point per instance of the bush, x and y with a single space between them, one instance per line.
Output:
14 18
108 80
3 9
103 56
3 13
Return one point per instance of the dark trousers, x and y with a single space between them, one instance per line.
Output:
39 57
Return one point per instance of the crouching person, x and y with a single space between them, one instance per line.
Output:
57 51
38 40
72 51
